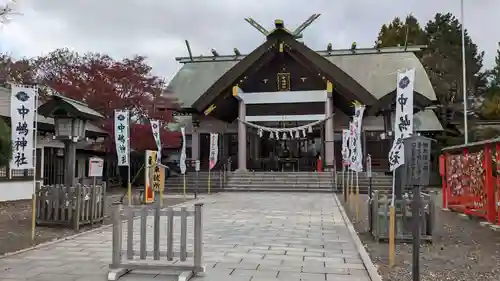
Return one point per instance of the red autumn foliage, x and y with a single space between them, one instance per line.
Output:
106 84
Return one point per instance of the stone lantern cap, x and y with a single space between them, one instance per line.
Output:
62 107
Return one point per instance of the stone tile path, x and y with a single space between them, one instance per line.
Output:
248 237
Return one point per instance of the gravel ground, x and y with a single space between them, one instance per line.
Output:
463 250
15 223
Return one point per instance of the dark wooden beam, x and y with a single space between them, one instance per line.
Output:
228 79
339 99
388 103
332 72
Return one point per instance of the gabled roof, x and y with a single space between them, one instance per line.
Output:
70 107
345 85
5 112
374 69
228 79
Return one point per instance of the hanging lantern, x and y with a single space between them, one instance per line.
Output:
260 133
271 135
284 136
304 134
291 135
277 135
297 134
310 130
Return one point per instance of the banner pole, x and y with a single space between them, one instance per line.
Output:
209 181
184 183
129 185
348 186
344 186
392 224
352 189
357 196
35 133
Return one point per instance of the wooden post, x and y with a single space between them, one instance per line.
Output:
77 211
489 184
444 187
497 152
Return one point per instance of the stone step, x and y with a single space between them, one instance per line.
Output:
280 185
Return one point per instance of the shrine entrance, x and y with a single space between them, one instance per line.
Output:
284 146
288 155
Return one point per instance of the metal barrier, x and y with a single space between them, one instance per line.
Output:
70 206
379 217
146 259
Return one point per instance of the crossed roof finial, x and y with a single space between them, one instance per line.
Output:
297 33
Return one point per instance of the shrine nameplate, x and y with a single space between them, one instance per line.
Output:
283 81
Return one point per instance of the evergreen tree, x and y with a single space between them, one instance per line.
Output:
495 73
443 57
490 108
395 33
5 144
443 60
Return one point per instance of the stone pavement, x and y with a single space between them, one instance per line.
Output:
248 237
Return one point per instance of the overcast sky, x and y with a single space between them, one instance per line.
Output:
158 28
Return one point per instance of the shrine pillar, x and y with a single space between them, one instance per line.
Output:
242 131
329 129
195 140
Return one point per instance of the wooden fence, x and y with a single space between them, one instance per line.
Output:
379 217
59 205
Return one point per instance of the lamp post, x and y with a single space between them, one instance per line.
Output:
70 131
464 74
70 119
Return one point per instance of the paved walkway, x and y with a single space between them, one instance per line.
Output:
248 237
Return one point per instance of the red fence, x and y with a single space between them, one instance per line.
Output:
469 179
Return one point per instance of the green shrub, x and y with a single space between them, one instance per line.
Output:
5 144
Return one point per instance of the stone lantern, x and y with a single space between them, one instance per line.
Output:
70 120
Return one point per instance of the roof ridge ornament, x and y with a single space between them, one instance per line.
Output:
279 24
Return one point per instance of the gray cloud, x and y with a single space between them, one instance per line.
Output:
158 28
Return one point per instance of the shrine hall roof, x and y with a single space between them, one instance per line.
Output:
373 69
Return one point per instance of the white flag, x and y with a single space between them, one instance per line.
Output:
214 150
358 120
23 102
182 163
122 137
403 123
155 128
352 145
345 147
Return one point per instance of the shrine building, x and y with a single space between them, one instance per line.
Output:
285 84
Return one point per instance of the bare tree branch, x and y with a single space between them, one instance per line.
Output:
7 10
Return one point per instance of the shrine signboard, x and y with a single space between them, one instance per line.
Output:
418 160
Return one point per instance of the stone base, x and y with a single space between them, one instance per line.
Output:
494 227
485 223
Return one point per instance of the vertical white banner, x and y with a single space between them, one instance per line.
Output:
214 149
352 145
122 137
345 147
22 118
155 128
358 120
403 123
182 160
